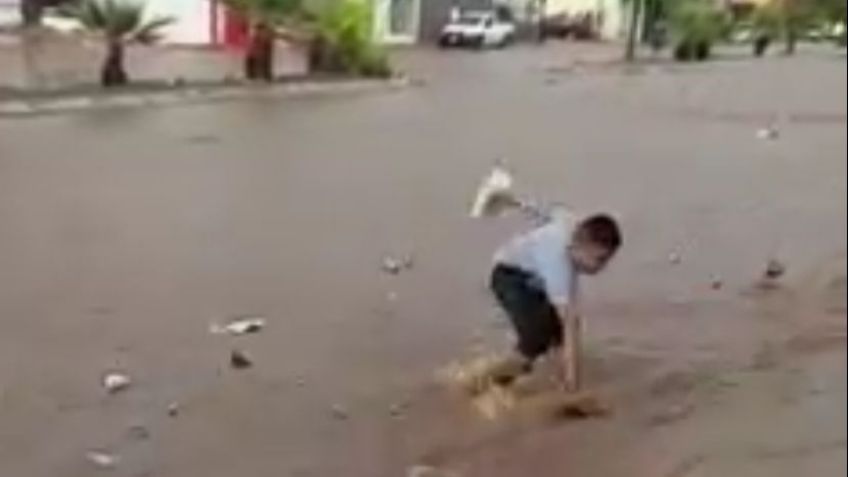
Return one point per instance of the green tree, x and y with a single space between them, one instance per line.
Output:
792 18
263 18
695 26
344 40
117 22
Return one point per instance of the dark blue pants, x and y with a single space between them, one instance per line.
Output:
534 319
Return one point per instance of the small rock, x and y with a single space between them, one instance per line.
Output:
178 82
774 270
173 409
716 283
391 296
398 409
428 471
138 432
395 265
339 412
239 360
104 460
767 133
115 382
202 138
241 326
672 414
392 265
674 258
415 81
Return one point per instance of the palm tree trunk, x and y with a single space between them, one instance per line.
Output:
791 40
113 74
31 11
633 30
790 33
259 60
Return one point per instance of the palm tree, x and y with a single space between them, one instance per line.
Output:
263 17
119 22
31 11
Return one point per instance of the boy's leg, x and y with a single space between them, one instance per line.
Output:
533 318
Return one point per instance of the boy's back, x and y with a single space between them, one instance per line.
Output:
543 254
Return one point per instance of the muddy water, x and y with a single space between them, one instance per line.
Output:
124 233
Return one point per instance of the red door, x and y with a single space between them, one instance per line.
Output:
228 27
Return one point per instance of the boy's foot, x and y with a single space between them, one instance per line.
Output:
505 371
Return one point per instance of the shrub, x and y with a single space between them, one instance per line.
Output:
695 26
344 41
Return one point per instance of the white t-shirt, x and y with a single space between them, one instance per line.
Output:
543 253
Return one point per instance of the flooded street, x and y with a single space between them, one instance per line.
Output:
125 233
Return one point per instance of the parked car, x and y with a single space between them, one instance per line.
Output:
478 29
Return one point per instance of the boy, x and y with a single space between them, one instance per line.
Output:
535 281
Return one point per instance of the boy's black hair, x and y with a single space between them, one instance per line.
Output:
603 230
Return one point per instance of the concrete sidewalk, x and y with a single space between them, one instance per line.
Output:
54 62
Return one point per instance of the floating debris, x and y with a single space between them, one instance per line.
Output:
395 265
239 360
428 471
240 326
415 81
774 269
716 283
767 133
493 194
203 138
115 382
339 412
674 413
138 432
104 460
398 409
674 258
173 409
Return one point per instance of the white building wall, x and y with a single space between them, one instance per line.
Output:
10 12
192 20
382 11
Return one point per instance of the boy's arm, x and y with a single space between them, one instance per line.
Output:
571 349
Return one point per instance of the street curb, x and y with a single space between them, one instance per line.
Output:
16 108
